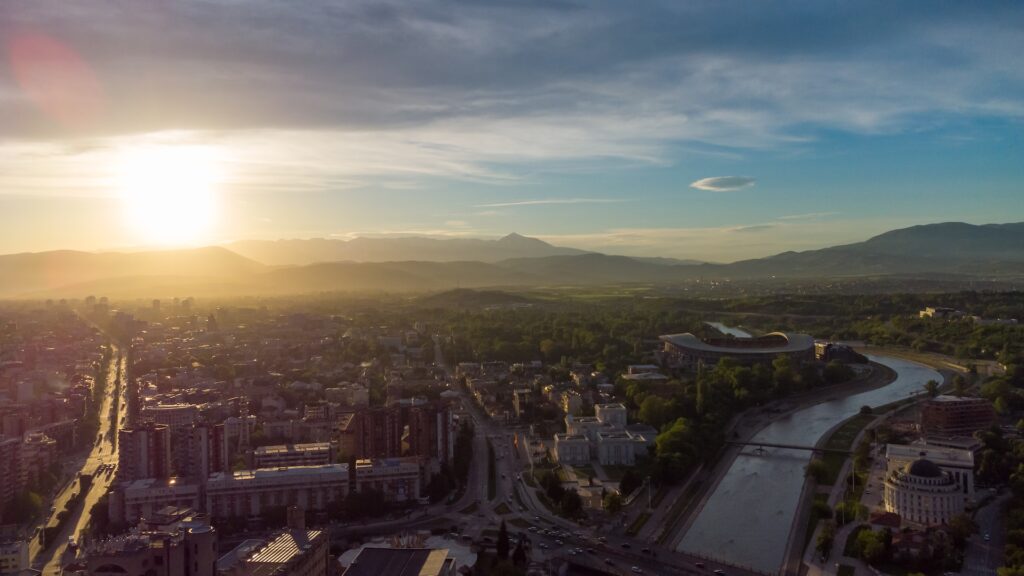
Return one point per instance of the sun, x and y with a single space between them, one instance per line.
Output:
169 193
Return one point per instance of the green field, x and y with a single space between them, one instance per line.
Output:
842 439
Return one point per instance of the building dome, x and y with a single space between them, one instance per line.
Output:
924 468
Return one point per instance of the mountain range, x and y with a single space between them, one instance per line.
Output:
991 251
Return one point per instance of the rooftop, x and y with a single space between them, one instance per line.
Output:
286 448
281 472
947 398
398 562
774 343
937 454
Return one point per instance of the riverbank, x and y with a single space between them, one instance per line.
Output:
798 549
753 421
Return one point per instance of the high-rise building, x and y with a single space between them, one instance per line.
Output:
144 452
422 430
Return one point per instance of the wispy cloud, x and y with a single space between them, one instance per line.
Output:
548 201
723 183
808 216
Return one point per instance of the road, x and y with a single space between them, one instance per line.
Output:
104 454
983 557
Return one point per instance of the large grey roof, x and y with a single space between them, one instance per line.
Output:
774 343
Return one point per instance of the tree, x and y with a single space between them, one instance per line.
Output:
962 526
630 481
818 470
825 539
656 411
932 388
613 503
571 503
503 543
519 556
959 385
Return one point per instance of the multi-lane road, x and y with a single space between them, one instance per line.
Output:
100 463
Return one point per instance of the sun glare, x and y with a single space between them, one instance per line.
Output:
169 193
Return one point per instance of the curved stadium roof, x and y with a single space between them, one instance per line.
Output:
774 343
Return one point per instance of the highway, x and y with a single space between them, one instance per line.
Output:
51 560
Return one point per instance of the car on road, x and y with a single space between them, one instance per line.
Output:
636 570
698 564
646 551
626 545
602 539
987 537
720 572
609 562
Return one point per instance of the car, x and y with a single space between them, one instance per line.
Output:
646 551
544 545
572 552
636 570
591 551
559 542
602 539
698 564
720 572
625 545
608 561
987 537
532 529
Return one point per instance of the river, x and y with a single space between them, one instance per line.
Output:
747 519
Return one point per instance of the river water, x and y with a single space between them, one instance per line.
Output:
747 519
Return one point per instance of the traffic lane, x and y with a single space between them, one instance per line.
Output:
983 557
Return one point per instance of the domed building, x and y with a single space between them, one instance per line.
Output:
924 494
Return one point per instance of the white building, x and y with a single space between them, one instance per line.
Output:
619 448
572 449
247 492
959 463
614 414
603 436
922 493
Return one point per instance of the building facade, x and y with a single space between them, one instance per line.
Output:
398 479
144 452
958 463
923 494
249 492
314 454
955 416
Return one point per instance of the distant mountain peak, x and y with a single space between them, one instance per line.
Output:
516 238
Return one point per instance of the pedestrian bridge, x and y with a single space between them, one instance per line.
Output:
760 447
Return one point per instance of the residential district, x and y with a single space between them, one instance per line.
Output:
176 439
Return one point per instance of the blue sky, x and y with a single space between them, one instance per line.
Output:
583 123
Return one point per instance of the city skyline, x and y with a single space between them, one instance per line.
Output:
715 132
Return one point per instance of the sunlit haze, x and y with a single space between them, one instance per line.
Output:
670 129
